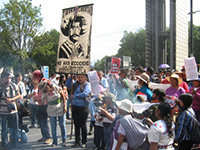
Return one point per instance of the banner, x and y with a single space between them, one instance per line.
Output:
94 82
115 65
191 68
75 40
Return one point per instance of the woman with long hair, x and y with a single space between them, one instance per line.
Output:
162 132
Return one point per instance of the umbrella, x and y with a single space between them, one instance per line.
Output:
164 66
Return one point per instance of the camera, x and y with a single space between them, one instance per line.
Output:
98 103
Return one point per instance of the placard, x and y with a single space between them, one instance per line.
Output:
75 40
191 68
115 65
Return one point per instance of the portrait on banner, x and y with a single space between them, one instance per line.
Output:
75 40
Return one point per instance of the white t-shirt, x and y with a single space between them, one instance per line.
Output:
98 123
158 134
31 99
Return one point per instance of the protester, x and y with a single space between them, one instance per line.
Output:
20 102
80 111
160 78
168 74
139 70
150 72
9 93
111 82
183 84
56 108
62 80
122 86
157 97
92 107
128 133
184 122
109 112
56 80
52 76
42 109
144 86
195 91
33 104
103 81
162 132
20 84
174 91
98 128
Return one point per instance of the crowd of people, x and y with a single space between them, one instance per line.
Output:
165 119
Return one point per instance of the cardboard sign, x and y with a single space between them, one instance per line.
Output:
115 65
191 68
75 40
94 82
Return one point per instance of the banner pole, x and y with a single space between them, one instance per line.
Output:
72 120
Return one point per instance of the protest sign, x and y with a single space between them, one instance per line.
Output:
115 65
75 40
191 68
94 82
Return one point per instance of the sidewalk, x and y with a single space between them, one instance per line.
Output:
34 134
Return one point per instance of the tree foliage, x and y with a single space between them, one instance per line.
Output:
133 45
19 24
44 52
196 42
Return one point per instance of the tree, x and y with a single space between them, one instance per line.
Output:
100 64
196 42
19 24
44 51
133 45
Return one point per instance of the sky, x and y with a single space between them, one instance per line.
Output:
110 20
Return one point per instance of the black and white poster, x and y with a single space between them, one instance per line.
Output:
75 40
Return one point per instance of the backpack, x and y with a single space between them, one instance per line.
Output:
195 133
87 98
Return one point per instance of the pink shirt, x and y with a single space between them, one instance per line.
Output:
174 92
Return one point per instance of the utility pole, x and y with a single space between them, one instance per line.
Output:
191 29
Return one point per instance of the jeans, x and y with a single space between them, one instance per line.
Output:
107 136
53 121
42 117
34 113
9 121
80 115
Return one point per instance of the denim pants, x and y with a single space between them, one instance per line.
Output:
53 121
42 116
9 121
34 114
107 136
80 115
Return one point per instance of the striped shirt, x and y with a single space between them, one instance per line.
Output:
8 92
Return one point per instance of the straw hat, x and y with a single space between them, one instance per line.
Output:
111 96
174 75
144 77
42 85
125 105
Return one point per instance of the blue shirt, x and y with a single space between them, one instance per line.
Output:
79 97
104 82
146 91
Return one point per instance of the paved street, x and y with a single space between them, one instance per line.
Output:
34 134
